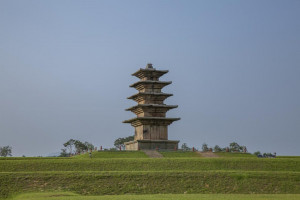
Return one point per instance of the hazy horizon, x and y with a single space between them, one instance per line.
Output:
65 71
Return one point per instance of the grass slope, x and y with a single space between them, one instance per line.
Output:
138 175
112 183
69 196
114 154
179 154
141 164
239 155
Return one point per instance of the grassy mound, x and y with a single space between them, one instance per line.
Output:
179 154
141 164
295 157
239 155
67 196
181 175
114 154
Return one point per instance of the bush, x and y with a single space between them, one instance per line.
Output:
205 147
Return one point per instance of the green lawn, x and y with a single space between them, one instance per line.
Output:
179 154
116 183
114 154
144 176
229 154
72 196
297 157
146 164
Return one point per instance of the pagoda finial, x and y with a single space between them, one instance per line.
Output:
149 66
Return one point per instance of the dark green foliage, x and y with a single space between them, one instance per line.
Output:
233 147
64 153
257 153
205 147
70 145
5 151
76 146
89 146
267 155
120 142
185 147
217 149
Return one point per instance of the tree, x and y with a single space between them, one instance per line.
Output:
257 153
204 147
5 151
76 146
234 147
120 142
70 144
80 146
217 148
185 147
63 153
89 146
243 149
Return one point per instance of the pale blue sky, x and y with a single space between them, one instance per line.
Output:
65 71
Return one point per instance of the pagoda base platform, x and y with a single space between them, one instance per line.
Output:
152 145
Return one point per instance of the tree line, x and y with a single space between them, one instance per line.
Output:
75 147
233 147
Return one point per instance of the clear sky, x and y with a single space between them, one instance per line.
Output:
65 71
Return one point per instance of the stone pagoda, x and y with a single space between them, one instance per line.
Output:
151 123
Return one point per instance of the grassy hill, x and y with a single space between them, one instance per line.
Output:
68 196
179 154
133 173
229 154
114 154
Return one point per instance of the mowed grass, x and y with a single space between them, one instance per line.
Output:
114 154
179 154
116 183
295 157
146 164
237 155
72 196
180 175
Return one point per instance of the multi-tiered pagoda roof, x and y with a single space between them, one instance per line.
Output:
151 121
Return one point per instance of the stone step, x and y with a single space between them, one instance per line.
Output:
153 154
207 154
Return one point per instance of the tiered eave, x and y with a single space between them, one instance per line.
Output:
138 121
148 73
140 85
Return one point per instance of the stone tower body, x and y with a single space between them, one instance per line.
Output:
151 123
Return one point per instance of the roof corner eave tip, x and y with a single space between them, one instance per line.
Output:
135 73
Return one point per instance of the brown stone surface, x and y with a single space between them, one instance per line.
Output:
151 123
153 154
152 145
150 86
207 154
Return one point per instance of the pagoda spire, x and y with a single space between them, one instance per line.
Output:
150 123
